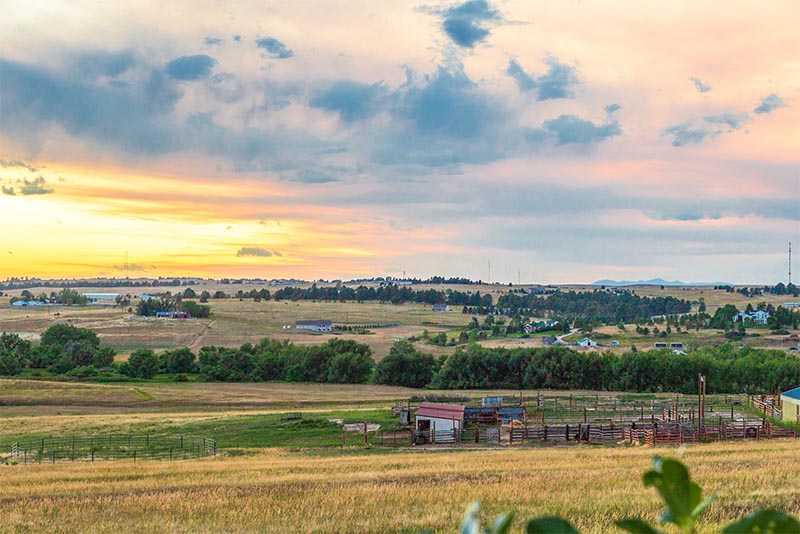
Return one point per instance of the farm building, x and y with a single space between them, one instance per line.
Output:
659 345
20 303
323 325
790 404
586 342
441 307
439 417
676 345
172 315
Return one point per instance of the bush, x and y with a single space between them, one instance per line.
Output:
10 364
86 371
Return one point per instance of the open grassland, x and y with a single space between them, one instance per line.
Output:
235 322
275 490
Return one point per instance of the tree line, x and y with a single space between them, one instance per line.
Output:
68 350
602 306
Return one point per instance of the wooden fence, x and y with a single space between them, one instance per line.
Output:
653 434
769 405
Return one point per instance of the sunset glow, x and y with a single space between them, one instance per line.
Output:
562 141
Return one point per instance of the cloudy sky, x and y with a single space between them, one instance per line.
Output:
564 141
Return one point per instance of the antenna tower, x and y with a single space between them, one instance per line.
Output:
790 261
125 265
490 272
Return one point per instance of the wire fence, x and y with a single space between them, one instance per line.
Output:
112 447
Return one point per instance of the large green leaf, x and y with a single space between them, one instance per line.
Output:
766 521
682 497
549 525
636 526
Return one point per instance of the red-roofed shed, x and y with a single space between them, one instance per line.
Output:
441 417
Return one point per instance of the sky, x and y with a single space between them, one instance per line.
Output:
557 141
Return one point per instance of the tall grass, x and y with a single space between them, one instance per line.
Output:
279 491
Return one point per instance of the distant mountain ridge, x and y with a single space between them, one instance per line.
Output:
655 282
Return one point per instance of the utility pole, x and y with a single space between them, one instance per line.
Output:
490 272
790 261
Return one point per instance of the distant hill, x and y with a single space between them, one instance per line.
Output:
654 282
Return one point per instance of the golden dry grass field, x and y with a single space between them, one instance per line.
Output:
317 486
274 490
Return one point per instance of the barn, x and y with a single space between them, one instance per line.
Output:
437 417
790 404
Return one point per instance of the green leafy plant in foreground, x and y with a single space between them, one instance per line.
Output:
683 500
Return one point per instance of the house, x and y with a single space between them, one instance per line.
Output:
790 405
791 305
660 345
323 325
538 326
586 342
441 307
548 341
676 345
757 317
438 417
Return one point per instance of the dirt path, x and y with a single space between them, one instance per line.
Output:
198 341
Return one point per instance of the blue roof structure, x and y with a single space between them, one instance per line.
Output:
792 393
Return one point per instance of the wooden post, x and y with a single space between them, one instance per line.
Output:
366 435
476 434
566 432
344 437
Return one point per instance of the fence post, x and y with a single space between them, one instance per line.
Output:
476 434
170 454
93 454
366 436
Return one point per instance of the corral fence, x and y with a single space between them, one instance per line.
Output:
112 447
769 405
677 434
640 433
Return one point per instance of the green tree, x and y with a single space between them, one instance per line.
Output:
350 368
142 363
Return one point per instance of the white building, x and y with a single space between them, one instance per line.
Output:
437 417
586 342
314 326
757 316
